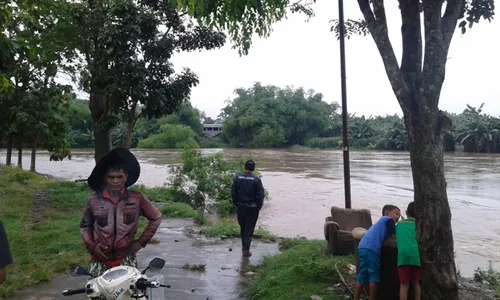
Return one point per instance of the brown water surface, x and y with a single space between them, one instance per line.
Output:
303 186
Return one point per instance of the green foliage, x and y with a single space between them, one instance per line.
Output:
154 194
34 111
303 270
267 116
205 181
179 210
170 137
489 276
325 143
127 46
80 124
242 18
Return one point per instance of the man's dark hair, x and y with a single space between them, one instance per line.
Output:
388 207
410 210
250 165
117 166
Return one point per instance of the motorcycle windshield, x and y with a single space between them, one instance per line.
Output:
114 274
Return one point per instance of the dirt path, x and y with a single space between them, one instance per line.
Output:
42 199
178 245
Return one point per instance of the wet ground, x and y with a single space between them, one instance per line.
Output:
225 275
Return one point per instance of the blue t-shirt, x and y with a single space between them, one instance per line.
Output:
375 236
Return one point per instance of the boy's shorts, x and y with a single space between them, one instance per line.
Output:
409 273
369 266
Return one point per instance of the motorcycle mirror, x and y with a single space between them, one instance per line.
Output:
79 271
157 263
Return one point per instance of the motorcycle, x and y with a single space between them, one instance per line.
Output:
119 283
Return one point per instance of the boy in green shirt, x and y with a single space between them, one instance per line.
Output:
408 255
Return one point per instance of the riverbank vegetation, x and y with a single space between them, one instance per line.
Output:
273 117
302 270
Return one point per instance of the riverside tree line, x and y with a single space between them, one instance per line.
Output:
273 117
118 51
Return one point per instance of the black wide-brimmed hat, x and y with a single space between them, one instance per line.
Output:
117 156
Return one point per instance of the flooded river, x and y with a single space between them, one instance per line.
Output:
304 185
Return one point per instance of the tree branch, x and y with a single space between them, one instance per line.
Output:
377 25
411 32
435 53
450 20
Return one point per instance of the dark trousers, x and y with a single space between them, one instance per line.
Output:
247 218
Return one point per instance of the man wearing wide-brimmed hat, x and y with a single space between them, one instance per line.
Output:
111 217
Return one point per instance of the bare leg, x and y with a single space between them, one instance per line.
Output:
357 291
373 291
403 291
3 276
417 289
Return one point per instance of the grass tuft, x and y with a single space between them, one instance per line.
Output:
195 267
179 210
229 228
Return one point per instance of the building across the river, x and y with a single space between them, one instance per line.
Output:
212 130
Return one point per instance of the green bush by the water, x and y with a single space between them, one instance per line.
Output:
170 136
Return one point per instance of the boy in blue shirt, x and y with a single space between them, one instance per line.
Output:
369 250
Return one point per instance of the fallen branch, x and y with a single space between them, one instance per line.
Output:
343 280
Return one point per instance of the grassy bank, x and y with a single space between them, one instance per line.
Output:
42 217
303 270
229 228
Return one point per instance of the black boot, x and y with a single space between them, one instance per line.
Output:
246 247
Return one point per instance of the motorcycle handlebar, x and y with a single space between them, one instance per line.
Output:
142 284
74 292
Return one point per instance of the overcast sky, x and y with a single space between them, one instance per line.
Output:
306 54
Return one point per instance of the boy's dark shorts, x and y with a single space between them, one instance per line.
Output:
409 273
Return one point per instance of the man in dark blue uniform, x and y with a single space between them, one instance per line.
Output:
5 256
248 196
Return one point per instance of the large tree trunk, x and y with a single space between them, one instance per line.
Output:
417 86
99 110
433 220
8 159
33 156
132 119
20 156
130 132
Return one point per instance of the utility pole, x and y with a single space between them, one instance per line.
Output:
345 130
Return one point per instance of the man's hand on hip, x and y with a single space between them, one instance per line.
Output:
135 247
98 252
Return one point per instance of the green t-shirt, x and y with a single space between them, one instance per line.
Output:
406 238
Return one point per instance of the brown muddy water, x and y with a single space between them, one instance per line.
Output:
304 184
